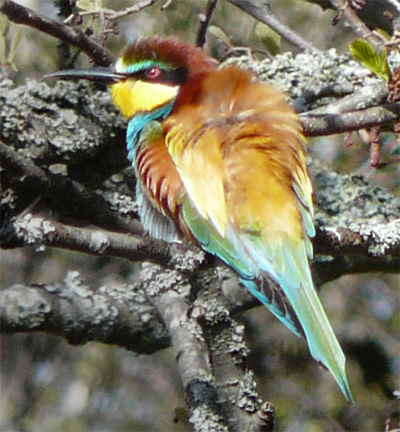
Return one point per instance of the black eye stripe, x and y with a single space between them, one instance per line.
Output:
167 76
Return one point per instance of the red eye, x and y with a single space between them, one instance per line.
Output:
153 72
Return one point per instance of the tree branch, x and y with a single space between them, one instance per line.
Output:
168 291
205 19
260 12
123 315
37 230
377 240
371 241
360 29
43 128
114 315
365 97
68 196
228 352
112 15
219 389
22 15
330 124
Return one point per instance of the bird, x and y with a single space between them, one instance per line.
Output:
220 159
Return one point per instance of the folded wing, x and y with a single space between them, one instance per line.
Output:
239 153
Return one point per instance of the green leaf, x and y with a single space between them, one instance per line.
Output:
373 59
86 5
4 23
219 34
14 48
269 38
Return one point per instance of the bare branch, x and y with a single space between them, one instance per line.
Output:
374 242
377 240
364 97
123 316
169 292
261 13
228 352
205 19
37 230
68 195
360 29
111 14
76 37
330 124
327 270
114 315
336 90
356 111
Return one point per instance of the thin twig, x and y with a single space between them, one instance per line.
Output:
111 14
360 29
167 4
205 19
375 146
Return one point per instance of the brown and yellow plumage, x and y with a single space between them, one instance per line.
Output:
220 159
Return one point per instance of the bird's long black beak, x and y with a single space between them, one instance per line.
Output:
103 75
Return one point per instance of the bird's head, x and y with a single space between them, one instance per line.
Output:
152 73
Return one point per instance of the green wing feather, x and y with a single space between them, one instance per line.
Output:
248 201
292 298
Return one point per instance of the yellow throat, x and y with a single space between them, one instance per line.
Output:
135 96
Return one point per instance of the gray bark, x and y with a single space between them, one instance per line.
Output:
66 184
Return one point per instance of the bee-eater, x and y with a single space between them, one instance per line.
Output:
220 160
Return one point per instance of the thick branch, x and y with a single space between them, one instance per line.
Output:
123 315
220 392
36 230
169 293
365 97
113 315
377 240
372 241
68 195
66 125
330 124
228 352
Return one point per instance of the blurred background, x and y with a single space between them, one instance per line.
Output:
48 385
